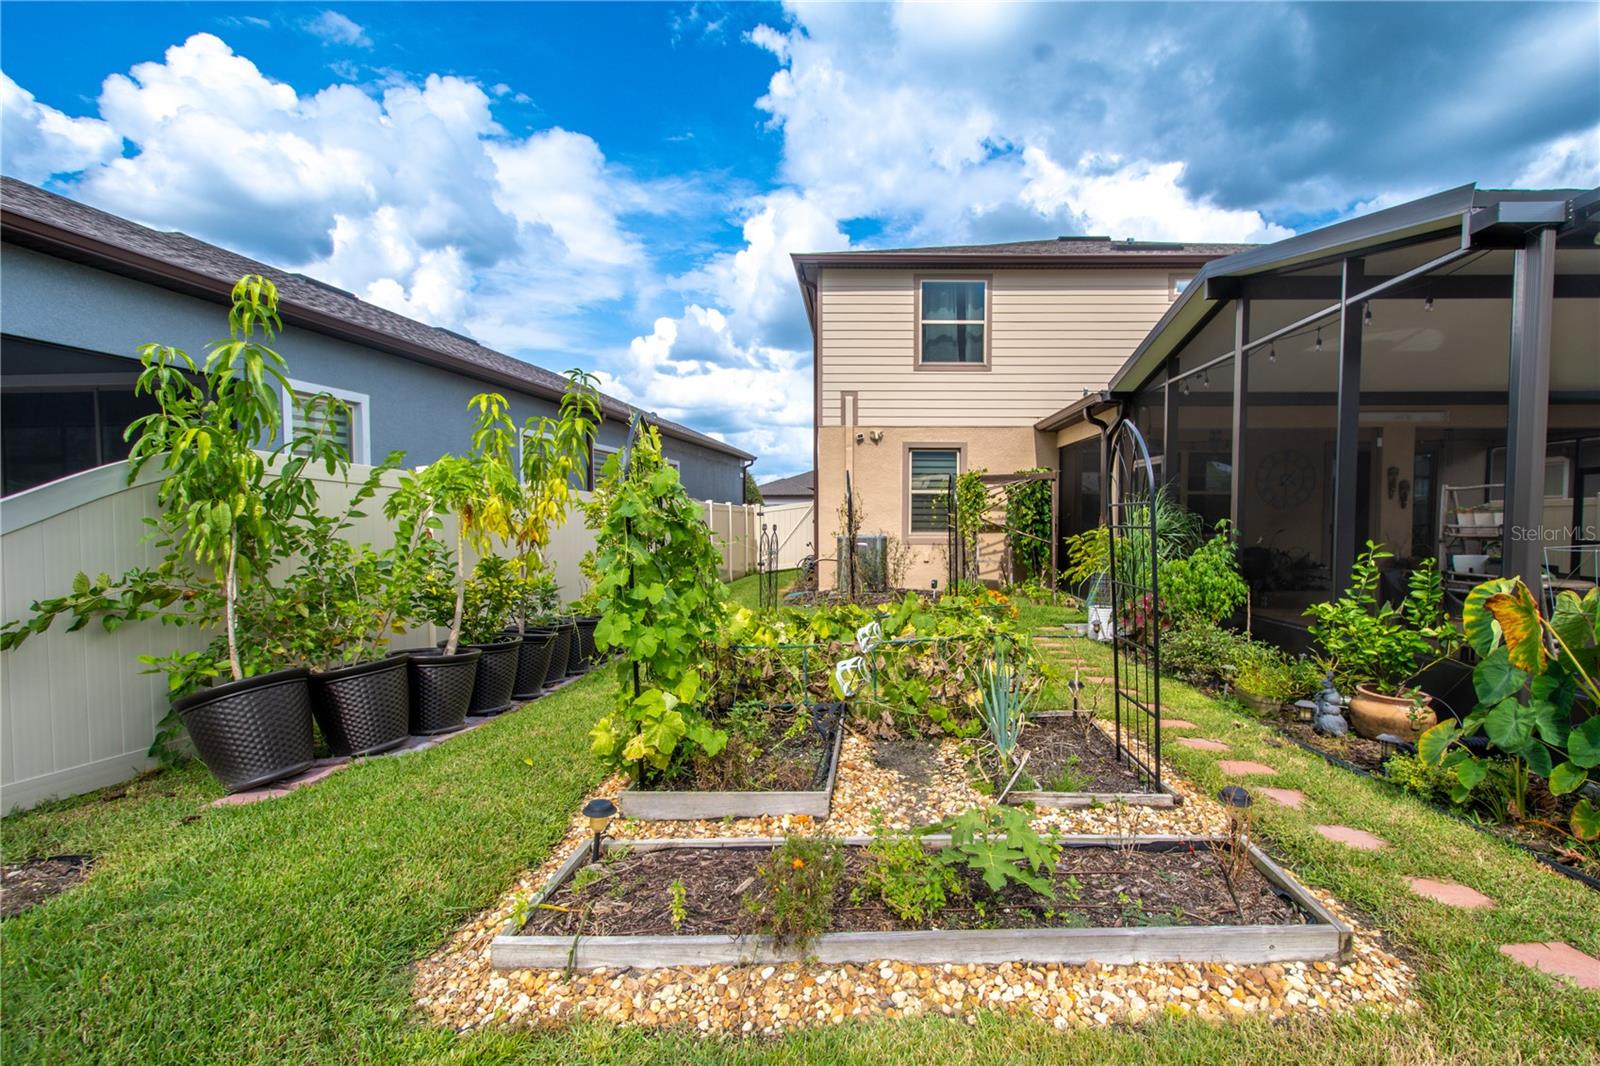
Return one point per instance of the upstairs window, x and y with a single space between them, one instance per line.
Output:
952 320
931 471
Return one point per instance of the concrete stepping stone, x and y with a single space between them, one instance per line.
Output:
1288 797
254 795
1201 744
1177 723
1359 839
1557 960
1240 768
1449 893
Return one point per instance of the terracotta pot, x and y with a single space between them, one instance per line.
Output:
1372 714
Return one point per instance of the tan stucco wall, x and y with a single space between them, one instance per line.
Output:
879 472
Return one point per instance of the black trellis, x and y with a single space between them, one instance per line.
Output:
1134 597
767 565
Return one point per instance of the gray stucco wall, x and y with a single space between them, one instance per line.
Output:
415 408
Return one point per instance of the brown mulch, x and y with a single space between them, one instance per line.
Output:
24 885
1077 745
1098 887
1353 749
776 757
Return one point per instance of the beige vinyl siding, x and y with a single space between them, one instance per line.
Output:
1053 333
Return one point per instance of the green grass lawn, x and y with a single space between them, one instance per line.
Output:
284 931
746 592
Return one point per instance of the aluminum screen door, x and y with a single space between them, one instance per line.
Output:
1131 520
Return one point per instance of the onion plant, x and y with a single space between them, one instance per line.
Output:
1006 693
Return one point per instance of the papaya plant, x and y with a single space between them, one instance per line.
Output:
1532 674
661 604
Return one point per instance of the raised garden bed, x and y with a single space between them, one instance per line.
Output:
1146 899
1072 763
769 774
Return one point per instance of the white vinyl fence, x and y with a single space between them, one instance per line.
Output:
76 710
793 524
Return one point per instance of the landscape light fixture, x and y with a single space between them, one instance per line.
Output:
599 811
1238 801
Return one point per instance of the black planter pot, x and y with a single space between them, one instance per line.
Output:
588 651
560 650
533 663
254 731
441 689
497 675
363 709
575 660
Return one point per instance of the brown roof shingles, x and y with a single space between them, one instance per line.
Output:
186 253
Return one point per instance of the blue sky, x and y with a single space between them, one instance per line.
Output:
619 186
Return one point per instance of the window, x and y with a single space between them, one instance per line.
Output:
951 319
51 432
931 470
598 455
1179 282
347 426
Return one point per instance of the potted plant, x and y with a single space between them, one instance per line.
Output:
333 614
526 502
1379 649
489 600
441 680
227 512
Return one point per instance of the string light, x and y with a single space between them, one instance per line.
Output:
1205 379
1427 305
1366 315
1319 338
1272 354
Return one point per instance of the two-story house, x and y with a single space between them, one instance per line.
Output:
934 361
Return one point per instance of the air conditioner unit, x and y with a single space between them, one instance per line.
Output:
872 562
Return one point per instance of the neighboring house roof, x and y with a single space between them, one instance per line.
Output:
1052 252
1477 215
32 217
796 485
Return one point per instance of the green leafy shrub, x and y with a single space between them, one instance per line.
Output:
909 878
1421 778
1204 586
1001 845
1263 670
1368 642
1028 526
1201 652
796 890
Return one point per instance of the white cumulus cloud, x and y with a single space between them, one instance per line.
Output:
335 28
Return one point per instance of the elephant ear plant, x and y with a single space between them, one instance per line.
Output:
661 605
1534 676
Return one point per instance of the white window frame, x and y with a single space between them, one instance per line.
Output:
360 407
